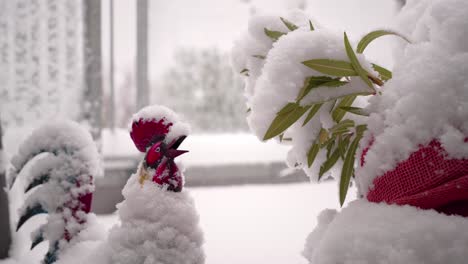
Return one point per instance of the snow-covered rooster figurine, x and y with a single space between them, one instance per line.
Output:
159 223
58 162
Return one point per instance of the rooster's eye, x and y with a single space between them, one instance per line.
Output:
158 149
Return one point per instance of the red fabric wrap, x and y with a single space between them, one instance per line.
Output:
428 179
144 132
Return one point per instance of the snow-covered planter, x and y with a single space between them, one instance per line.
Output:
61 160
159 222
408 142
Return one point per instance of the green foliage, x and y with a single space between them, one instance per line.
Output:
274 35
331 67
340 142
369 37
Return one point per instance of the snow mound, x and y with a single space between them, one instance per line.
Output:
157 226
370 233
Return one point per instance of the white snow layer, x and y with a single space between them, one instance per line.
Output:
427 98
370 233
158 112
157 226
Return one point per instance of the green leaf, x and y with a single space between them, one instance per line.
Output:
244 70
343 125
318 81
343 143
289 24
338 113
259 57
36 181
312 154
287 108
311 27
376 34
312 113
384 74
355 63
284 120
274 35
355 110
348 166
331 67
329 163
248 110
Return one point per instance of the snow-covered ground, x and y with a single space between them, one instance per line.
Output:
258 224
243 224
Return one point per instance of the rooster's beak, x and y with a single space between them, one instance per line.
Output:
172 150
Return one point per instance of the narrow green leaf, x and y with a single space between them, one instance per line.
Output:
274 35
243 71
318 81
248 110
338 113
345 124
288 108
355 110
348 166
37 238
284 121
376 34
331 67
312 154
355 63
289 24
312 113
311 27
343 143
259 57
384 74
329 163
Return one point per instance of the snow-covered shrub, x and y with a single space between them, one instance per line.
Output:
301 87
159 222
61 160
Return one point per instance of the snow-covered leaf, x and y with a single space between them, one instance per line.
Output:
318 81
355 110
274 35
338 113
355 62
342 126
311 26
331 67
262 57
368 38
289 24
384 74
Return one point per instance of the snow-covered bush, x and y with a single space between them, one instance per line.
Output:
301 80
56 163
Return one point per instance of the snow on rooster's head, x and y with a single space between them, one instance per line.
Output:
427 98
155 123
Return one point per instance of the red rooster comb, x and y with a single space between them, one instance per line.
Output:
145 132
